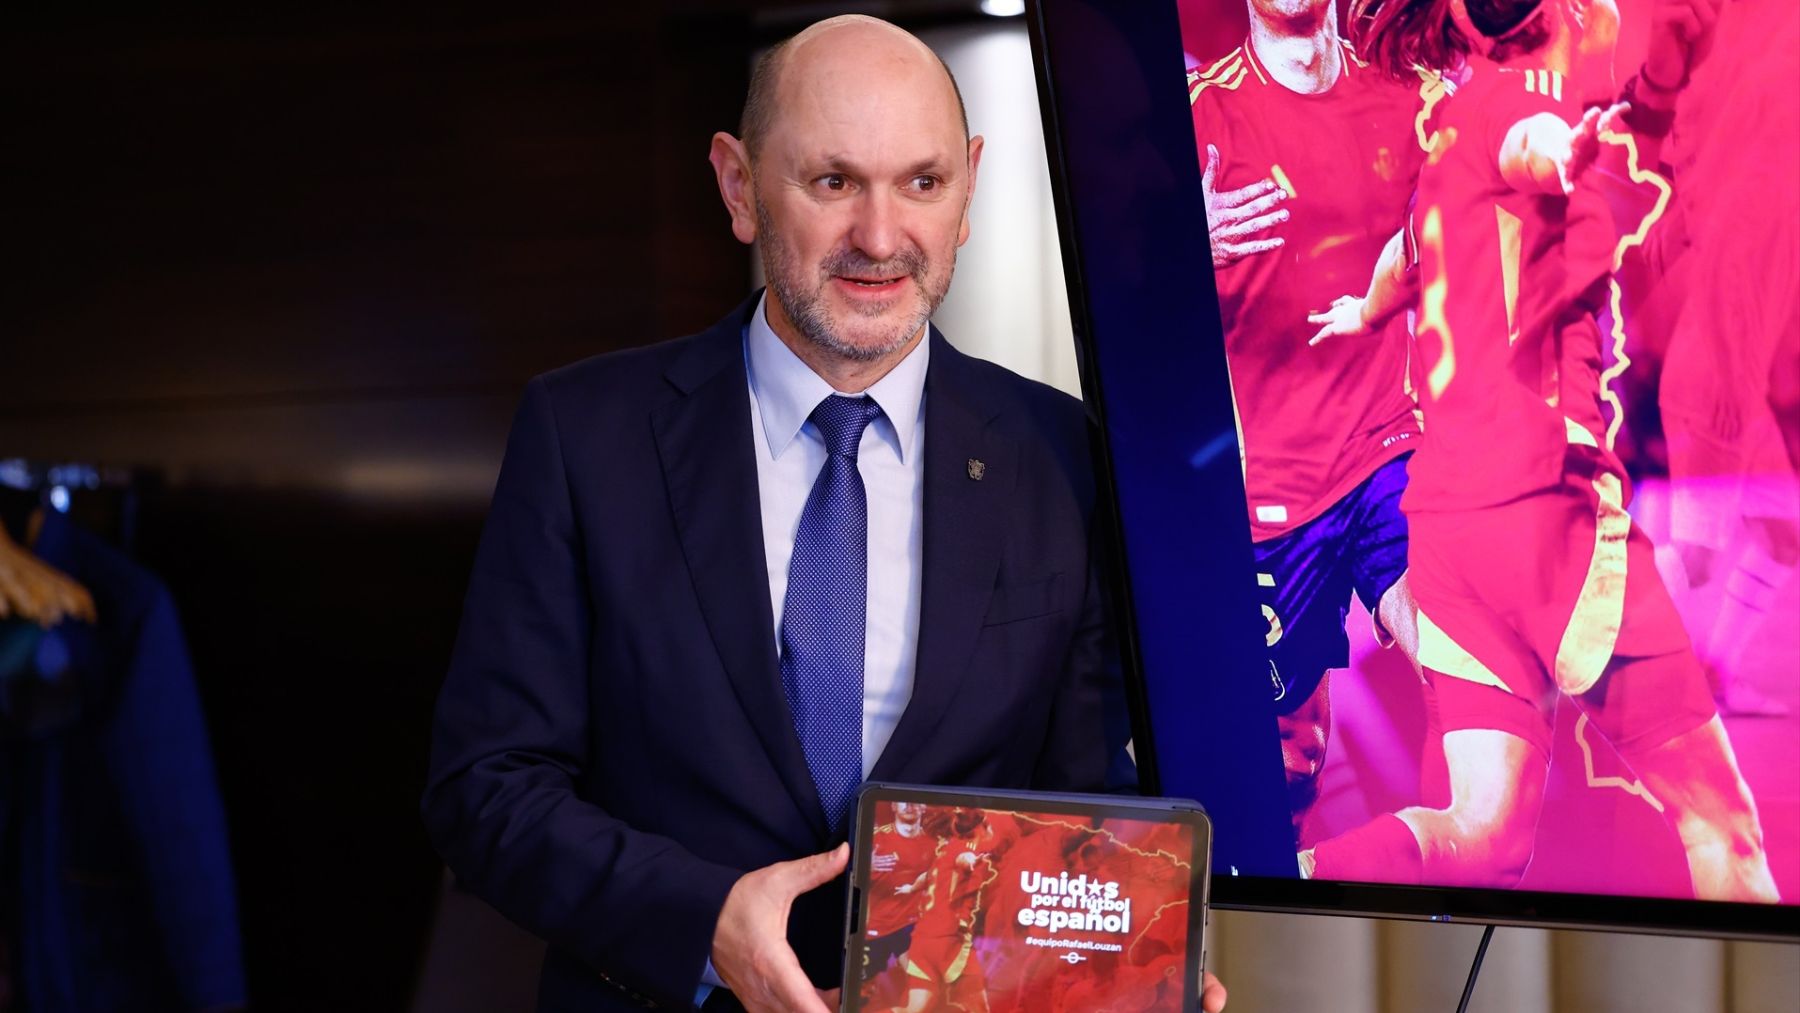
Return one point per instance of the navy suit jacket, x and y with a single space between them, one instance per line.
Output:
612 747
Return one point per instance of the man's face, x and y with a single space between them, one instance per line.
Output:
908 812
862 187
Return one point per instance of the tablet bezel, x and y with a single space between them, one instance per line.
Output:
1165 810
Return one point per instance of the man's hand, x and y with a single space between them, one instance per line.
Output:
1237 221
1344 319
1212 994
1681 36
750 950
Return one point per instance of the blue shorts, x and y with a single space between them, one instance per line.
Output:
1304 579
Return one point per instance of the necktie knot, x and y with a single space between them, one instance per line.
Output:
841 420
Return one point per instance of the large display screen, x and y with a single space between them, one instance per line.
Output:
1499 376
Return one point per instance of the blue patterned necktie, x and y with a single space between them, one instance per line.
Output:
825 612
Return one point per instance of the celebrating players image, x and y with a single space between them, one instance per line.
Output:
1532 581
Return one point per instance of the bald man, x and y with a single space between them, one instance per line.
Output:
727 577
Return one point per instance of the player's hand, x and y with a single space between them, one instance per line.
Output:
1584 143
1681 37
1238 221
1212 994
1344 319
750 950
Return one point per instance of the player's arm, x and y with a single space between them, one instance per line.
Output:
1391 289
912 887
1681 34
1537 153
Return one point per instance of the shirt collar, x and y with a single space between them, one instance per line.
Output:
787 390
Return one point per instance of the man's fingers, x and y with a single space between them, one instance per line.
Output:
1243 195
830 996
1212 168
789 985
1212 994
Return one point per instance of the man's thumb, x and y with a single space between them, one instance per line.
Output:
816 870
1212 164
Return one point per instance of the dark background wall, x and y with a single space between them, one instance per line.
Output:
296 270
289 272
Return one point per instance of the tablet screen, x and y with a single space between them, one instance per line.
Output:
1000 908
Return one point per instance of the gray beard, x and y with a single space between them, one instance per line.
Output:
806 307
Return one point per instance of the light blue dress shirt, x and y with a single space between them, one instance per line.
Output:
891 459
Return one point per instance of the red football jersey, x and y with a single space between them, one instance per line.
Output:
896 860
1509 282
953 889
1314 421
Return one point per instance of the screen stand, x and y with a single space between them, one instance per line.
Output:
1487 934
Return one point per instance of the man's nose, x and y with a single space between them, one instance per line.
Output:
876 229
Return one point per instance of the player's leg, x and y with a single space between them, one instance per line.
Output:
967 992
1377 545
1398 615
1305 587
1704 491
1304 735
1380 576
1703 413
1695 775
1760 570
1658 715
925 964
1493 696
1484 837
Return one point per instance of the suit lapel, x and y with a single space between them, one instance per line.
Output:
965 527
709 464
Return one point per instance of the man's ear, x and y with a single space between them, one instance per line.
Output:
975 146
731 163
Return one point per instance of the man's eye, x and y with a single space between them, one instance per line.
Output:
834 181
925 184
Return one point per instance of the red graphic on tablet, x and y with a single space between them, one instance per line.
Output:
991 911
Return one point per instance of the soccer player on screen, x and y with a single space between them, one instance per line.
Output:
1309 158
943 969
900 854
1529 575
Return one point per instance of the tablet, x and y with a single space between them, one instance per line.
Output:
991 902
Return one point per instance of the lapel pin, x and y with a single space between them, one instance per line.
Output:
977 469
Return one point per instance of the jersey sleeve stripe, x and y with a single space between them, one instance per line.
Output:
1227 82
